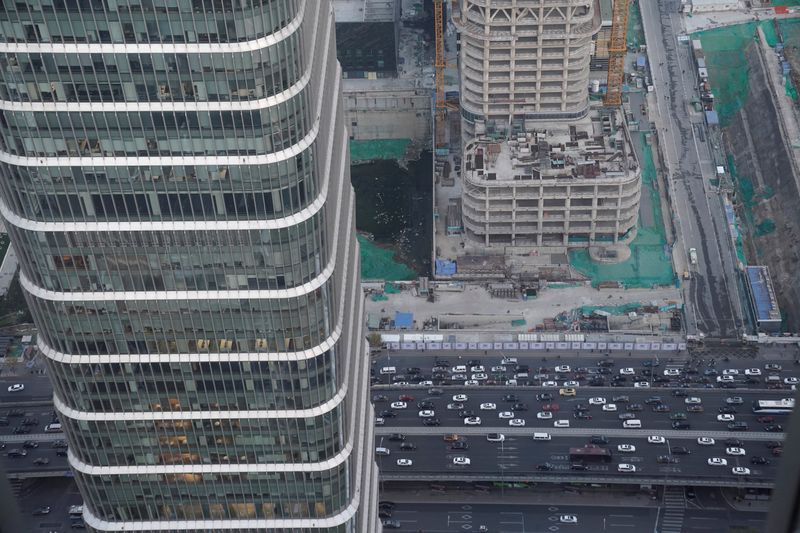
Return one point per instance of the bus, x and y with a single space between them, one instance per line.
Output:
594 454
784 406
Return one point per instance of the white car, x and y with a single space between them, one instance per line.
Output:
656 439
380 421
498 369
571 384
752 371
563 368
460 398
472 421
488 407
399 405
508 361
725 379
568 519
730 372
400 384
641 385
458 377
388 370
461 460
16 387
495 437
629 448
516 422
544 415
725 418
627 371
705 441
610 407
455 406
505 414
625 467
459 369
478 368
480 376
735 451
717 461
671 372
472 383
427 413
404 462
790 381
561 424
693 400
425 383
740 471
597 401
549 384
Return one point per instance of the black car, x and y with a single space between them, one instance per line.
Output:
425 404
773 428
61 453
474 362
380 398
680 424
386 504
519 407
737 426
694 408
666 459
581 407
413 370
680 450
620 399
578 466
30 422
679 393
627 416
543 397
634 407
770 444
435 392
15 412
441 362
544 466
21 430
651 363
653 400
431 422
736 443
459 445
397 437
521 368
391 524
677 416
466 413
387 413
661 408
598 439
581 415
408 446
41 511
727 409
606 362
384 513
30 444
398 378
759 460
597 382
59 444
511 398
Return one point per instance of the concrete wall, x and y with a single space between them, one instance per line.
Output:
387 109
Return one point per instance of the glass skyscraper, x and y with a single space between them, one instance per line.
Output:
175 181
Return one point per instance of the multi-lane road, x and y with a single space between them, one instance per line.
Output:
713 301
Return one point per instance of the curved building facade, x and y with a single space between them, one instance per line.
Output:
175 180
524 60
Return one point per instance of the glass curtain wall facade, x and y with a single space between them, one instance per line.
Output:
175 180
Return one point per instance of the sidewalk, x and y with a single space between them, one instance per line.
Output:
536 496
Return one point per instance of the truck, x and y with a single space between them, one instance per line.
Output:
693 255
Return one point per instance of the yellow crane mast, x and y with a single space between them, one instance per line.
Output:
617 47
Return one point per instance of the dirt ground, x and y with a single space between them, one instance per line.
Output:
762 159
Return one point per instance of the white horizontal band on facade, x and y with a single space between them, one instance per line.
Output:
159 48
255 414
137 107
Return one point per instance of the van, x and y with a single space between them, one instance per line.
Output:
772 379
388 370
55 427
382 451
631 424
541 436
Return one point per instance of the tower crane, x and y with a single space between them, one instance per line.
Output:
617 47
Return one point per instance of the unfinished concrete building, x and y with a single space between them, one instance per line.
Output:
568 186
524 60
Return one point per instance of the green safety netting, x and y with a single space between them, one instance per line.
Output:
635 36
650 262
379 263
378 149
